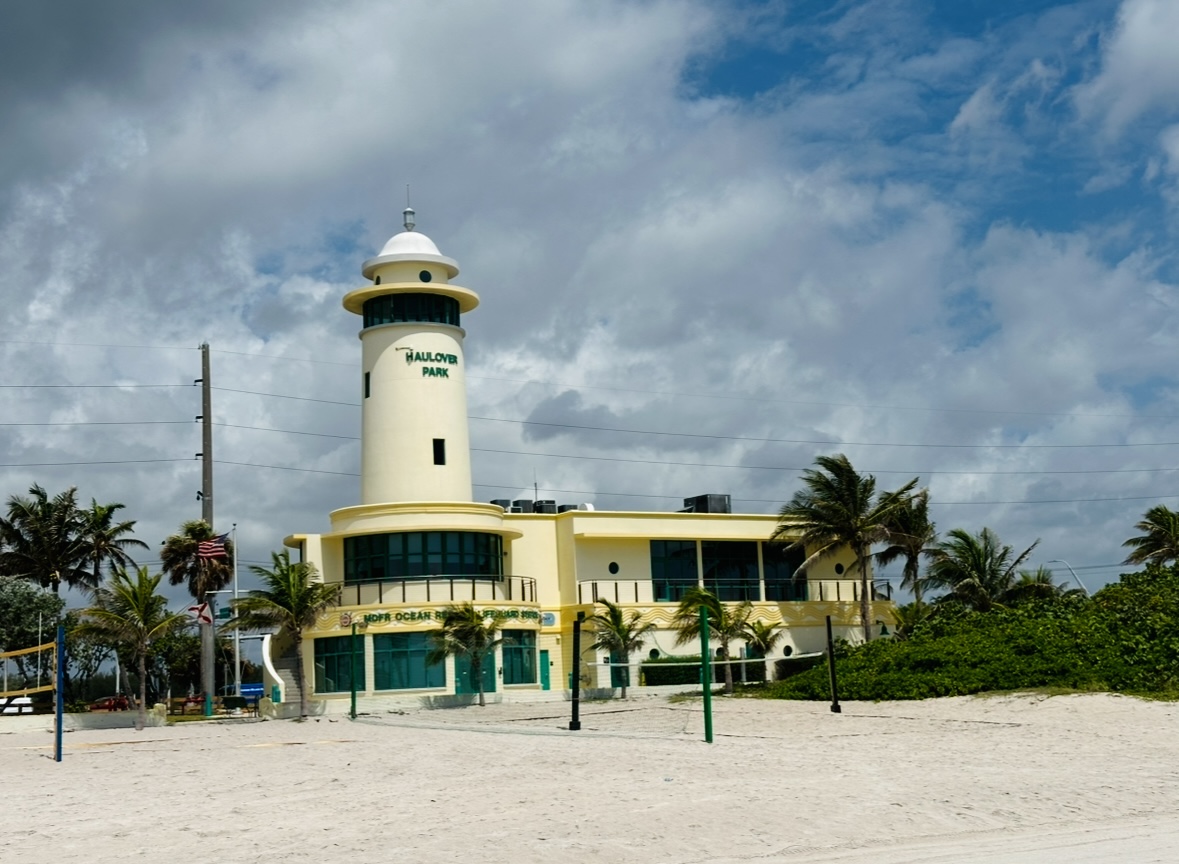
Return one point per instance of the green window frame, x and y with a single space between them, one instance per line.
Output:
519 649
673 569
422 554
397 308
333 664
730 569
399 663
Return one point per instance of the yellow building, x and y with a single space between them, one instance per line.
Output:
417 542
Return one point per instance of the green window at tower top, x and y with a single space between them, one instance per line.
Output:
415 554
399 308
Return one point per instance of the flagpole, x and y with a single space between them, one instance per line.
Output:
237 635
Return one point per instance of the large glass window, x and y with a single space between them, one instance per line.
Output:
519 649
730 569
780 565
392 308
673 568
399 662
422 553
333 664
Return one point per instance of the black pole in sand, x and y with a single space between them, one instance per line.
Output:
835 709
575 684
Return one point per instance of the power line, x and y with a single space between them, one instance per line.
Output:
287 431
789 468
740 398
281 357
825 443
284 396
85 386
95 462
107 423
95 345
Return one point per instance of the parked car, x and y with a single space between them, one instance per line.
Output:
110 703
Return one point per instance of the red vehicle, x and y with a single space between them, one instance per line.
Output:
110 703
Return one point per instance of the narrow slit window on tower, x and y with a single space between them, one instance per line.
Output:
439 451
368 384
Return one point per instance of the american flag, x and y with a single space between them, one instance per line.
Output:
214 548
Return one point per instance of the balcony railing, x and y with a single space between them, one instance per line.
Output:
801 591
439 589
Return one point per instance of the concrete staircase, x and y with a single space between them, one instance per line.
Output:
285 667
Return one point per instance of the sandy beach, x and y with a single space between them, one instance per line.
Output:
998 779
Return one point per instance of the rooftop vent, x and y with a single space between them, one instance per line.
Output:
708 504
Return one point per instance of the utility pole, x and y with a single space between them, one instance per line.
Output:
208 682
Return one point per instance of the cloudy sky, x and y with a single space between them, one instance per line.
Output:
713 240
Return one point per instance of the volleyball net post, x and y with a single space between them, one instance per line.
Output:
706 673
835 709
59 693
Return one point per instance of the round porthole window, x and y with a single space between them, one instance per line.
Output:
839 569
787 651
613 568
425 276
653 654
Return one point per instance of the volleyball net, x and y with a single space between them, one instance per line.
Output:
24 673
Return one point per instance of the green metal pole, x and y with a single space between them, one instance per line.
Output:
352 670
706 673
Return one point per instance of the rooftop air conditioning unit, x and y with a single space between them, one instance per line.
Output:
524 504
708 504
515 510
501 502
565 508
545 507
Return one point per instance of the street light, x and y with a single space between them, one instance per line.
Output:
1074 572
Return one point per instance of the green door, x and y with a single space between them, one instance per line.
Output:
544 670
463 682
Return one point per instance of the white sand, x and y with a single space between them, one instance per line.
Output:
1002 779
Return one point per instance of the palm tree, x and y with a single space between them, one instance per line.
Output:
976 568
106 540
1159 542
760 639
130 613
1038 584
725 623
618 634
908 617
291 599
43 540
181 563
911 536
465 632
837 509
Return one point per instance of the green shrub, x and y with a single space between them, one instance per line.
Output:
1125 639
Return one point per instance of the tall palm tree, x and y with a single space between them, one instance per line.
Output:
130 613
976 568
911 536
182 565
1159 541
837 509
465 632
106 540
43 540
290 599
726 623
613 631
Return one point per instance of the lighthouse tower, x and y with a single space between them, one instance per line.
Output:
414 440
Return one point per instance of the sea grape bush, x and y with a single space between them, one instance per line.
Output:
1125 639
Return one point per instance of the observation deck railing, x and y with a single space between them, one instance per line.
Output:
439 589
798 591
